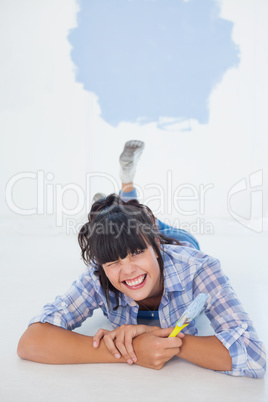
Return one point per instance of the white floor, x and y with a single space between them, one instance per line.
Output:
36 268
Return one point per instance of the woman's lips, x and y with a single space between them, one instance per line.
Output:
138 285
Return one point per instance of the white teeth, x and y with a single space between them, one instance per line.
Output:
136 282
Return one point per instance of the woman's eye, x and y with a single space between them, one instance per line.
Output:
109 264
137 252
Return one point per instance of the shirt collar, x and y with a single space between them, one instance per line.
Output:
127 300
172 281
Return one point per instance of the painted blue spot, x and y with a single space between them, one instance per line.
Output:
147 59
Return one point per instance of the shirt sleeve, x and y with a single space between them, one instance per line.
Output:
73 307
230 322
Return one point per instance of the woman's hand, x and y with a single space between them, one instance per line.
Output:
119 341
155 348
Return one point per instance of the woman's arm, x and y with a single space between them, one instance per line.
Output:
206 351
232 325
49 344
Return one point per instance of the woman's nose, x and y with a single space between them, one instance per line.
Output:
128 267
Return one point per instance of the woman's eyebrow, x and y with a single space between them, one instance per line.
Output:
110 263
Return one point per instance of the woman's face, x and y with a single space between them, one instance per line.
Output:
137 275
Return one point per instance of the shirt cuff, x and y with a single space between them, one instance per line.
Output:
53 314
237 349
58 321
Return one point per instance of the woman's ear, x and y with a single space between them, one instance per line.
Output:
158 244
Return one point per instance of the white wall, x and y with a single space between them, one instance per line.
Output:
43 110
49 123
230 148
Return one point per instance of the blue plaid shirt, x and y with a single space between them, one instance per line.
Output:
187 273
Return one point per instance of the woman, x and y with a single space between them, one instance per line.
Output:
133 267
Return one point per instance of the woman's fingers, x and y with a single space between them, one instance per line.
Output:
169 342
165 332
109 342
98 336
114 341
120 341
124 345
165 349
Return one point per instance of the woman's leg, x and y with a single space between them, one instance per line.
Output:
129 159
178 234
128 162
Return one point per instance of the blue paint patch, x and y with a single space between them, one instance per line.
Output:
150 59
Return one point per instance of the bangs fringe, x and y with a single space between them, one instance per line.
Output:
122 240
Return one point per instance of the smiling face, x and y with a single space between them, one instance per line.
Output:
121 239
137 275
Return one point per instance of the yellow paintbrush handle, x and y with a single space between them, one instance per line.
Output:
176 330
